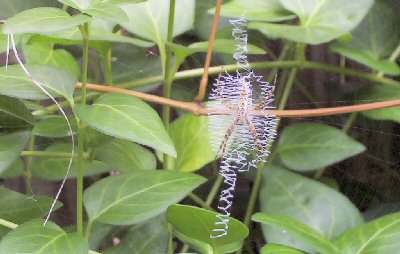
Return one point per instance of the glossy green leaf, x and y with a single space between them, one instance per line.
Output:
380 93
262 10
279 249
43 20
98 234
105 10
129 118
311 146
135 197
53 168
195 244
299 230
322 208
11 146
316 18
54 127
151 237
79 4
126 156
14 114
199 224
10 8
374 40
19 208
15 83
32 237
192 141
149 19
44 54
376 237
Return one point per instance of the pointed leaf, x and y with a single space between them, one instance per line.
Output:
299 230
11 146
311 146
329 213
199 224
316 17
54 168
33 237
19 208
374 40
43 20
14 114
134 197
126 156
376 237
149 19
129 118
15 83
191 138
262 10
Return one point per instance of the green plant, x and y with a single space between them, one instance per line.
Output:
301 208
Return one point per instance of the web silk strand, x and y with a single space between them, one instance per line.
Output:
40 86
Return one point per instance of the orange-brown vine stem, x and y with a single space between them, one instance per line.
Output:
204 79
199 109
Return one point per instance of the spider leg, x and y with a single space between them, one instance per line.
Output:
221 96
268 97
225 141
253 131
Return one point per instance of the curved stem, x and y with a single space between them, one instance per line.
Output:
45 154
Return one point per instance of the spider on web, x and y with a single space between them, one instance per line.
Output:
247 132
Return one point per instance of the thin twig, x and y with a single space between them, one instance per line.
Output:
199 109
204 79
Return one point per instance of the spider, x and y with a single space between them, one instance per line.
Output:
242 112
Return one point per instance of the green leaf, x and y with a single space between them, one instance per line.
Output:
198 223
261 10
149 19
44 54
10 8
279 249
13 171
380 93
126 156
54 127
11 146
15 83
127 117
286 193
125 1
135 197
43 20
192 141
316 18
33 237
374 40
19 208
74 37
54 168
14 114
151 237
311 146
107 11
298 230
376 237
